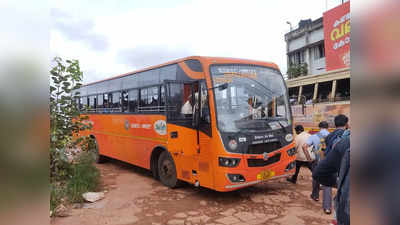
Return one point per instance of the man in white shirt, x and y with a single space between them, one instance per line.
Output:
187 108
304 156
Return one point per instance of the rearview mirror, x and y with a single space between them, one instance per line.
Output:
221 87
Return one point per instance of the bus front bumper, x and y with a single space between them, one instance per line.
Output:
251 175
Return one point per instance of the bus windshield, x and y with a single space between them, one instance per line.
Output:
252 98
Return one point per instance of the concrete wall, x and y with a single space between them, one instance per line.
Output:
316 35
297 43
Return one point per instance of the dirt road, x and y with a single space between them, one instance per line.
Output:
134 197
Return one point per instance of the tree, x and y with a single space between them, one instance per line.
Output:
65 117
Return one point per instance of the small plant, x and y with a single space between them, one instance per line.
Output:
57 195
296 70
84 177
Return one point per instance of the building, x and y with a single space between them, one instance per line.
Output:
318 58
305 48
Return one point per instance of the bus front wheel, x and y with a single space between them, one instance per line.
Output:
167 170
98 158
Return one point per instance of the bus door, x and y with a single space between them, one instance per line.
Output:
204 156
181 127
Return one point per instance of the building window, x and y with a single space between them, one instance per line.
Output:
324 91
293 94
297 58
307 94
319 51
301 57
342 90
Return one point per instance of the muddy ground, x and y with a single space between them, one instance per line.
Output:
132 196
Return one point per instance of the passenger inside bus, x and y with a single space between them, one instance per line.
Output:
187 108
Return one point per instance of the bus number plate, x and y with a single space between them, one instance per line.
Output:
265 175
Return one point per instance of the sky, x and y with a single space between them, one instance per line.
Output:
114 37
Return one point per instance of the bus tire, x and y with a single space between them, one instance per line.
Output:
98 158
167 170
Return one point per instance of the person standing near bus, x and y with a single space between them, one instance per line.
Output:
341 124
304 157
317 142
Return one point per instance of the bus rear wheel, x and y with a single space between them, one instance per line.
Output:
167 170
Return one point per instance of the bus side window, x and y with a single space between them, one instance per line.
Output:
133 99
116 102
153 97
84 104
105 102
175 101
125 101
162 96
100 105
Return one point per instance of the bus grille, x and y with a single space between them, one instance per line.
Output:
262 162
266 147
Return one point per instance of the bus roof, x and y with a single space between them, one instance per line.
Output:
203 59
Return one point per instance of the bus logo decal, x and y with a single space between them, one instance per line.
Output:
160 126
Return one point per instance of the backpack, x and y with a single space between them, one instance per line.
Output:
320 149
332 139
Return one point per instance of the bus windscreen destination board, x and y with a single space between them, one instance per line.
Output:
337 37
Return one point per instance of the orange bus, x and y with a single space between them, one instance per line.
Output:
220 123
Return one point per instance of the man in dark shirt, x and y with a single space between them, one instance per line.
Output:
326 173
341 124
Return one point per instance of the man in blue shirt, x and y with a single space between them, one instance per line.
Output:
315 142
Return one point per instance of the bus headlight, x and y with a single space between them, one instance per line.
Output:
234 178
233 144
228 162
289 137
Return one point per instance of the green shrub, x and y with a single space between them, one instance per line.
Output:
84 177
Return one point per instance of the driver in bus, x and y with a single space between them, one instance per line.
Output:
187 108
256 109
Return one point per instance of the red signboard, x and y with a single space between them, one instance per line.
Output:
337 37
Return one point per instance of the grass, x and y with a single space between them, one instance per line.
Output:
83 177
